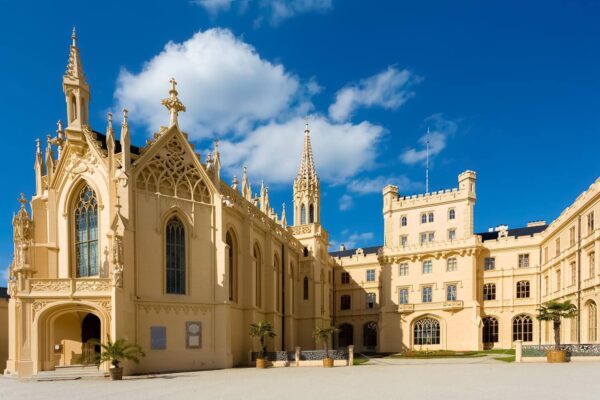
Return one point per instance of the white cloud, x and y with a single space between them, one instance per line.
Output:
353 240
389 89
438 137
276 11
224 83
213 7
345 202
273 151
367 185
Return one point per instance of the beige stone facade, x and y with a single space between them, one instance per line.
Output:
151 245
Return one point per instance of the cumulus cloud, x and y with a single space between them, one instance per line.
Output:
353 240
273 150
276 11
345 202
223 81
389 89
438 137
368 185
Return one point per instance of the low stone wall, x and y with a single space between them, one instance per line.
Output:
306 358
575 352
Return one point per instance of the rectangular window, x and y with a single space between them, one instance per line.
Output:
558 280
345 278
451 234
590 223
426 291
489 291
370 275
451 264
573 273
523 260
403 221
158 337
451 213
371 300
403 240
489 264
403 269
345 302
403 296
572 235
431 236
557 247
523 290
451 293
592 264
427 267
431 217
423 238
193 331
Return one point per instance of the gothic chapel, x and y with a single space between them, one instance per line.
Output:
149 244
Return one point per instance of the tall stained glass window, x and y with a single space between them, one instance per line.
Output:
175 256
86 233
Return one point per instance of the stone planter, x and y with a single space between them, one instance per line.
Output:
556 356
116 374
328 362
261 363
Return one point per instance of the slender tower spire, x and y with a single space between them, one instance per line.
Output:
173 104
427 162
307 190
125 142
76 89
246 189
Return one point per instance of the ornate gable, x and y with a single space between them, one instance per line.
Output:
172 172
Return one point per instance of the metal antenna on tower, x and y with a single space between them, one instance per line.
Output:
427 163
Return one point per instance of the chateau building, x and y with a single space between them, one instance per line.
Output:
151 245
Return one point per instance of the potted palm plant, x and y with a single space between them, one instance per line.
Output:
116 352
262 330
555 311
323 334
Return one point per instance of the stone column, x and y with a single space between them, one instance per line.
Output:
350 355
518 350
297 356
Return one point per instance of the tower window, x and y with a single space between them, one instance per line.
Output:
311 214
86 233
303 214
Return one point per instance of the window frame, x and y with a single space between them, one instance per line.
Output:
427 298
523 289
172 288
489 291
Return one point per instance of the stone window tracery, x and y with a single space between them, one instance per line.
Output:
175 256
490 330
523 328
426 331
172 174
86 233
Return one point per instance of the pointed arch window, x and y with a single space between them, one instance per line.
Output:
305 288
303 214
523 328
86 233
232 265
258 275
592 322
311 214
426 331
175 256
490 330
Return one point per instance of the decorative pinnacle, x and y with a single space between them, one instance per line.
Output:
38 146
22 200
172 103
125 116
59 128
306 119
109 120
74 38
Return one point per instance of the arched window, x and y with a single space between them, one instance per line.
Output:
302 214
232 265
175 256
522 289
277 284
305 251
345 335
305 288
311 214
86 233
523 328
451 213
73 108
426 331
423 218
592 318
490 330
258 275
370 335
489 291
403 221
430 217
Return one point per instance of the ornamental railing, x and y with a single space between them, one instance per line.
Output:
69 287
578 350
305 355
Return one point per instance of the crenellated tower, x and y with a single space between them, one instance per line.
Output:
307 188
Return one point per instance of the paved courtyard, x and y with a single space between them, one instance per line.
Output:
381 380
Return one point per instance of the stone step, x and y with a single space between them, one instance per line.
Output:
71 372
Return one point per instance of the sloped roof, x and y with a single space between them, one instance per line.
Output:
101 137
351 252
516 232
3 293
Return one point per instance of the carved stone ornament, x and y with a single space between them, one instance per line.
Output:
22 234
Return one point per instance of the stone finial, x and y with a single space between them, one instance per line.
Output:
109 118
172 103
125 111
38 146
22 200
74 38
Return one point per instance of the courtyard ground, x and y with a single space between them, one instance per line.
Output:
465 379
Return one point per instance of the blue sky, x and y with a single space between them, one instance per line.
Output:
508 89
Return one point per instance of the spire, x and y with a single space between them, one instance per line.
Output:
49 158
110 134
246 189
235 183
283 216
76 88
39 168
173 104
427 163
307 170
216 162
125 142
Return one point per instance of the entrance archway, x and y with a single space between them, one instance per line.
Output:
90 338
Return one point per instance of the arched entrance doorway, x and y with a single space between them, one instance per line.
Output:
90 338
345 335
75 338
